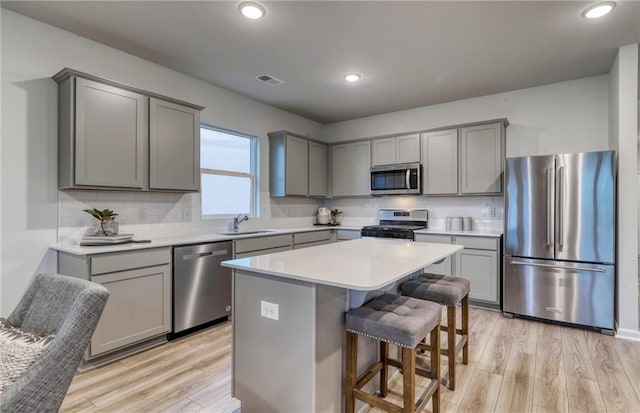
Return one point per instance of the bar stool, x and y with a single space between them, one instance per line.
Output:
448 291
403 321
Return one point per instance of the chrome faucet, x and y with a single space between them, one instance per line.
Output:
238 220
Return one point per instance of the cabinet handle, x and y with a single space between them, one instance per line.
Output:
203 254
561 267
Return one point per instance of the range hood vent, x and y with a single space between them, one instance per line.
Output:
269 80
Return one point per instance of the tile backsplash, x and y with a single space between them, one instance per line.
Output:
154 214
487 213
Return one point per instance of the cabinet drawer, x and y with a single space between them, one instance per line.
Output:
311 244
262 243
347 234
122 261
437 239
304 237
478 243
262 252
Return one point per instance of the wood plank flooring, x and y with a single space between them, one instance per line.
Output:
515 365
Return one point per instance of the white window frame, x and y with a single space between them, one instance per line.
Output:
252 174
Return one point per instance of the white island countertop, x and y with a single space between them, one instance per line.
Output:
361 264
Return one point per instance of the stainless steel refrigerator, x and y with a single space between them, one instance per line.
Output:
559 245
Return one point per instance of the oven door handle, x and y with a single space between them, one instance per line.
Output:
407 179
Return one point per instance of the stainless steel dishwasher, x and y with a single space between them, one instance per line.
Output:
201 286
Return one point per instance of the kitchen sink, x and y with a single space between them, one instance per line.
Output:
245 232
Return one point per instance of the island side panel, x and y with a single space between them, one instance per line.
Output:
273 361
331 304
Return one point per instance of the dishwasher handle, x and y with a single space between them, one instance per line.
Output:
189 257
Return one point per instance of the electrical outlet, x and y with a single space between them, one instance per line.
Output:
142 214
269 310
492 212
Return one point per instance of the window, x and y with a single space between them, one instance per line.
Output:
228 172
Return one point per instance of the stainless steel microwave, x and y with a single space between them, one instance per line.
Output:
398 179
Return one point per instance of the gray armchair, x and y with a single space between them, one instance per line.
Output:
69 308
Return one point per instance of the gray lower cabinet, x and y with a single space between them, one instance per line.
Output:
446 266
478 262
347 234
311 239
174 146
113 136
139 305
250 247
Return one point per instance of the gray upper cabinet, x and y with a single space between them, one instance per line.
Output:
440 162
113 136
318 173
110 135
394 150
350 169
297 165
174 146
341 169
481 159
464 161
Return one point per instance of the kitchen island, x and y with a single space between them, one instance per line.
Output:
288 317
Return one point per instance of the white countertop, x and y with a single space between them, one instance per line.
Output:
360 264
477 233
77 249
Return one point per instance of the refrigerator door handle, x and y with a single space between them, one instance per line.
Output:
549 206
562 267
560 207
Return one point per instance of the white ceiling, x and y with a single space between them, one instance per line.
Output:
411 54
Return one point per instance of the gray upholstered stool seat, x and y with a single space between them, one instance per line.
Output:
403 321
437 288
448 291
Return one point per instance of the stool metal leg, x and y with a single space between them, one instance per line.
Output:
351 371
408 379
451 345
435 366
384 373
465 328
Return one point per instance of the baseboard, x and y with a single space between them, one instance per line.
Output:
626 334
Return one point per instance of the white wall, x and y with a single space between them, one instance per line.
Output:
31 53
561 117
623 129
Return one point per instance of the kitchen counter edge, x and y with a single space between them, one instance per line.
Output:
160 242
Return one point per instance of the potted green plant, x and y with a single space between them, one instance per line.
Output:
105 219
334 216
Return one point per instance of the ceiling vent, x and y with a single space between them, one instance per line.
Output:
269 80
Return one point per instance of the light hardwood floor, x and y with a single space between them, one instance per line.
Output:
515 365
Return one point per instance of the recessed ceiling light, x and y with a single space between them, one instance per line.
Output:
252 10
352 77
598 9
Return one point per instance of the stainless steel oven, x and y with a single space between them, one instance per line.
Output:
398 179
